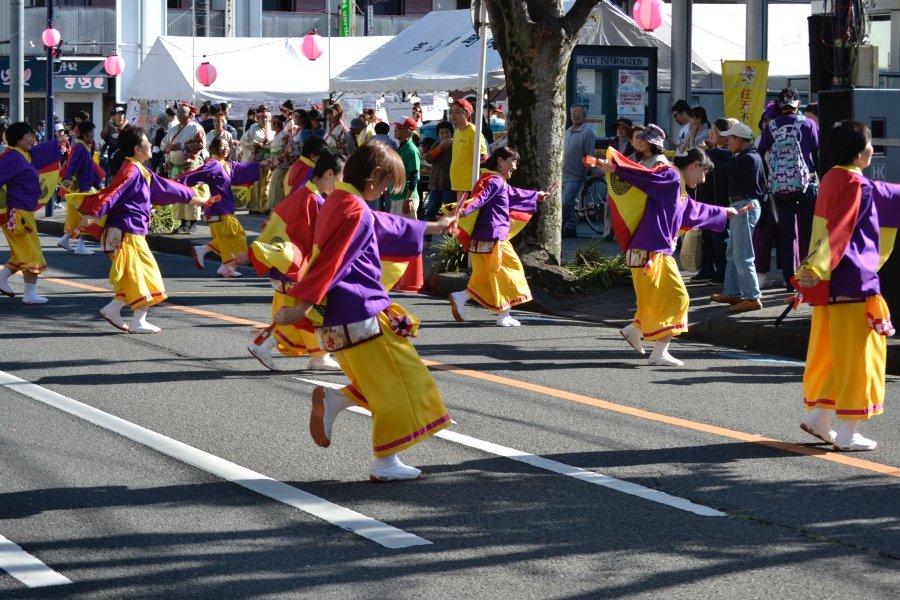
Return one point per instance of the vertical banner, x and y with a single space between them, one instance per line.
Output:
744 89
346 18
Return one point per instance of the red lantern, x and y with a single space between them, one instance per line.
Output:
313 45
648 14
206 74
51 37
114 65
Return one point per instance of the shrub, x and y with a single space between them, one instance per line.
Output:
162 221
450 257
595 270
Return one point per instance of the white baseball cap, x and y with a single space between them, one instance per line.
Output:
741 130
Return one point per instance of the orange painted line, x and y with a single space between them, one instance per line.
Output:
819 453
82 286
832 456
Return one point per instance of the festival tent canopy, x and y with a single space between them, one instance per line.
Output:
248 69
440 52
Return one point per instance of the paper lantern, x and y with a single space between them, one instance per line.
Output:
313 45
648 14
51 37
206 74
114 65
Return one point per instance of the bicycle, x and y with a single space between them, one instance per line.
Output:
592 203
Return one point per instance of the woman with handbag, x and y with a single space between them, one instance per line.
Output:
662 299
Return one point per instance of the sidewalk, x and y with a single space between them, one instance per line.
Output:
708 322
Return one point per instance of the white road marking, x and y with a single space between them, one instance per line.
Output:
358 523
27 568
761 358
547 464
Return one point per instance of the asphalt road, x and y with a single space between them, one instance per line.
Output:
574 469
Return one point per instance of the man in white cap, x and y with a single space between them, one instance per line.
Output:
746 187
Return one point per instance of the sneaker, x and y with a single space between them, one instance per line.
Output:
857 443
324 362
507 321
665 360
725 299
389 468
632 335
458 310
327 404
265 358
143 328
192 230
746 306
114 318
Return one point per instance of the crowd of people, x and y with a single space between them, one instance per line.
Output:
343 207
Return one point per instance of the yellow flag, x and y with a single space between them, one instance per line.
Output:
744 87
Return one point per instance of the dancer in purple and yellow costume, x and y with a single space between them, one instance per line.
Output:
81 173
367 333
126 203
854 228
20 166
281 252
229 240
494 213
650 208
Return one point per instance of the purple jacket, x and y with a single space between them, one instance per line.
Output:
220 176
23 185
669 209
494 200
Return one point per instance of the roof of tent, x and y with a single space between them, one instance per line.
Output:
439 52
251 69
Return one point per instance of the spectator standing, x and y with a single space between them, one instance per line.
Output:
681 113
463 153
256 144
790 144
279 160
649 142
336 136
622 139
746 186
110 136
405 201
698 130
439 189
579 142
714 191
357 126
183 145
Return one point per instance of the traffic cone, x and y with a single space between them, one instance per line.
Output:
413 278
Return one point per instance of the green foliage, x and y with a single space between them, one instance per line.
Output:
450 257
162 221
594 270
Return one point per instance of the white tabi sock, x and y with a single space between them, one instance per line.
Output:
660 355
30 296
139 323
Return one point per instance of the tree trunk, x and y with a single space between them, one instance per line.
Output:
535 40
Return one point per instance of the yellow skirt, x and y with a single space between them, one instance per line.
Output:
229 240
134 274
662 299
388 378
25 252
498 279
293 341
845 363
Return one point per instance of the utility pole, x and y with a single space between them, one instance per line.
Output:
201 13
51 107
230 23
17 61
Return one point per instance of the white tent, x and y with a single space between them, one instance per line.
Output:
249 69
440 52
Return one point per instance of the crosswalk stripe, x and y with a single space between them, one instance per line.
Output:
358 523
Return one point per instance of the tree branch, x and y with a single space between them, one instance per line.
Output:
578 15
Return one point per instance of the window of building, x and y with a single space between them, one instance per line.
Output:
461 4
388 7
278 5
